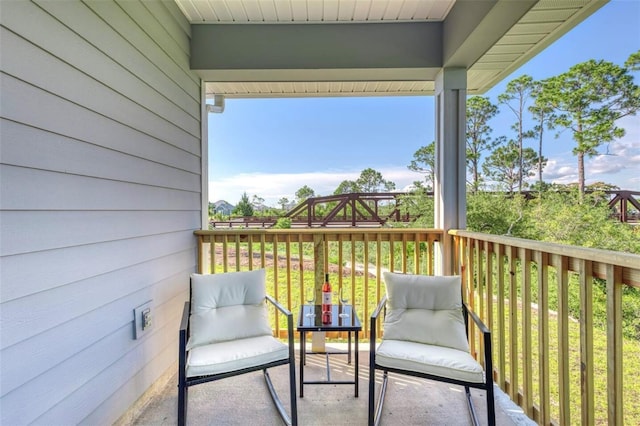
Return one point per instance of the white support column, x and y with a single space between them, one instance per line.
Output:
204 155
450 165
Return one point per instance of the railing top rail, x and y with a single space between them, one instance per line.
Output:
323 230
627 260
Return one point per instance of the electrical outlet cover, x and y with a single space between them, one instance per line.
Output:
138 320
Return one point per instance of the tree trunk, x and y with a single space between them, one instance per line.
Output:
520 154
540 159
475 177
581 175
520 168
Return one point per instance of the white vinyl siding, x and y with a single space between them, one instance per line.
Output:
100 191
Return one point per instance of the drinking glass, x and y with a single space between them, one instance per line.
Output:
344 300
310 296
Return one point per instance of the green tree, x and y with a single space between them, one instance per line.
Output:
256 200
560 217
304 193
601 187
497 213
557 217
244 207
543 116
282 223
589 99
371 180
507 165
633 62
347 187
516 96
257 203
283 202
420 207
424 160
479 111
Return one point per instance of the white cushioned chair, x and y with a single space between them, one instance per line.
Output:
225 332
425 328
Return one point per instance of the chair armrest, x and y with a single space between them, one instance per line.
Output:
289 315
184 323
381 305
182 343
481 325
278 306
374 319
372 336
486 338
184 327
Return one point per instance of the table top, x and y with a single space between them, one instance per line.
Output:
350 323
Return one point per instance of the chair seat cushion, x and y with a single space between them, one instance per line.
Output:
435 360
234 355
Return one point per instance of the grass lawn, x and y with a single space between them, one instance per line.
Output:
355 285
631 365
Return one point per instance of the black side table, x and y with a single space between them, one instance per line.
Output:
349 324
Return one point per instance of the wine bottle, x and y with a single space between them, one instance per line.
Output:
326 300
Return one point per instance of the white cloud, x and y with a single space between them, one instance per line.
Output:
559 171
618 165
605 164
621 167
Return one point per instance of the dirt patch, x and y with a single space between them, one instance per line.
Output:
294 264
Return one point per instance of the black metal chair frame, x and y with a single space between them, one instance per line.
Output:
375 407
185 382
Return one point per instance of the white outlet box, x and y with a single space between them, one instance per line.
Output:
142 320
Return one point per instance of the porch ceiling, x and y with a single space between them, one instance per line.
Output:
490 38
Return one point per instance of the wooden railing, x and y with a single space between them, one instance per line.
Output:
297 259
543 302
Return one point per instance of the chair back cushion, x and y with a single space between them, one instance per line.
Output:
425 309
227 306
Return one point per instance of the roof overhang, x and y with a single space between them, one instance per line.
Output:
304 48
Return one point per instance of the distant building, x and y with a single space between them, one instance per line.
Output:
222 207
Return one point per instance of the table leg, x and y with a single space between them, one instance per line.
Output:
302 361
357 364
349 346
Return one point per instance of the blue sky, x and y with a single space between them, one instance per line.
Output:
273 147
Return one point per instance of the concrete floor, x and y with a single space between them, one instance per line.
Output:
245 400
